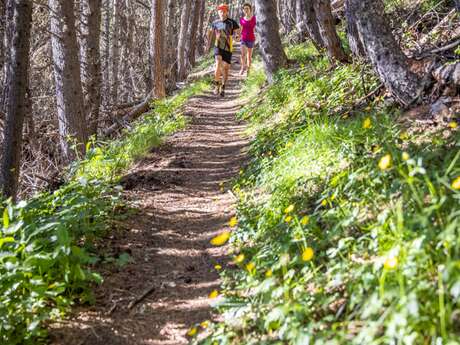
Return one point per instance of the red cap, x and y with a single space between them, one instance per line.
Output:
223 7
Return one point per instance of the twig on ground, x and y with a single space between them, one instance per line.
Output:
142 297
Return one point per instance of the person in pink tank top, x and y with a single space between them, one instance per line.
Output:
248 38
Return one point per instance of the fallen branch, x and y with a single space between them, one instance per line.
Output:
142 297
137 111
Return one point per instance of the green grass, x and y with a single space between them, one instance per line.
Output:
47 244
376 203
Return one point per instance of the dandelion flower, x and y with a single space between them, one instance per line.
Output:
221 239
250 267
308 254
289 209
218 267
367 123
456 183
404 136
453 124
269 273
288 219
233 222
405 156
204 324
214 294
192 331
305 220
391 263
239 259
385 162
324 202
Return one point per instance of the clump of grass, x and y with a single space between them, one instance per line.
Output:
347 224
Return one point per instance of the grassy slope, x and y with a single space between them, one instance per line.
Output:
46 243
348 223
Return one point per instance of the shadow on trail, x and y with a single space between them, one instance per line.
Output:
181 202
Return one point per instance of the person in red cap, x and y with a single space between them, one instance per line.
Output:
224 28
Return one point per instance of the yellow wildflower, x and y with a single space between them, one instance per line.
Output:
405 156
308 254
288 219
192 331
214 294
221 239
453 124
289 145
456 183
239 259
250 267
204 324
233 222
391 263
324 202
404 136
269 273
385 162
305 220
367 123
218 267
289 209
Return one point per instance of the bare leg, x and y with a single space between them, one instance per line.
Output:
218 70
244 53
218 74
249 54
226 71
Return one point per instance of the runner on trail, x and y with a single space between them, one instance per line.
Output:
224 28
248 38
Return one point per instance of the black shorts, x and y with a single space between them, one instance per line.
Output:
226 55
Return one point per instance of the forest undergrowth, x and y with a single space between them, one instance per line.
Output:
48 244
348 218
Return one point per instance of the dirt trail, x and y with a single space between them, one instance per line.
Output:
177 190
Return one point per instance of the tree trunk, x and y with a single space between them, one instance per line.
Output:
2 35
184 25
115 54
106 40
171 43
271 48
91 62
307 23
201 26
17 105
326 26
190 46
69 94
384 52
356 45
157 48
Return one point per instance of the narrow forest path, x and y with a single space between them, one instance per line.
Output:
181 205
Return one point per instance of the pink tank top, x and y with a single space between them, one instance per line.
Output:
248 26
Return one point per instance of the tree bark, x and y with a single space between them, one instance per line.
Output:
171 43
192 35
307 24
271 48
329 35
201 34
106 40
91 61
356 45
115 53
69 94
384 52
17 105
184 25
157 48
